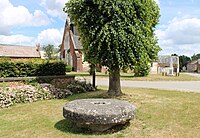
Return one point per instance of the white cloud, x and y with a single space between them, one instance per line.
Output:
50 36
55 7
19 16
157 1
180 36
16 39
45 37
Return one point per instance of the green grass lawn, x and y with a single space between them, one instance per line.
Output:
159 114
130 76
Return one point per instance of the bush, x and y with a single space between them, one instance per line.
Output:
80 86
68 68
48 69
32 67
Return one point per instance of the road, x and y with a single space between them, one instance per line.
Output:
189 86
193 74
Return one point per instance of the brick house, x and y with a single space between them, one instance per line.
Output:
71 49
17 52
194 66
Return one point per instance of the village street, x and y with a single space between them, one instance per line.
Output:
188 86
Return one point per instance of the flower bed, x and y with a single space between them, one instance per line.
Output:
18 92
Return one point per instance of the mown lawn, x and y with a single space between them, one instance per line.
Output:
130 76
159 114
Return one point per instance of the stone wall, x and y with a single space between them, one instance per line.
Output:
56 80
59 82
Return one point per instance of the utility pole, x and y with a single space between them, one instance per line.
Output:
93 75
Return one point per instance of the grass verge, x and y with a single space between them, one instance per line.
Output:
160 113
130 76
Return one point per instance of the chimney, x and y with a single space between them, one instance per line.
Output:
38 47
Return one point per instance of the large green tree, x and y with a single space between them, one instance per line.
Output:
50 52
116 33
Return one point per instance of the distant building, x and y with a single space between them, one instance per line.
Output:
15 51
193 66
154 68
168 65
71 49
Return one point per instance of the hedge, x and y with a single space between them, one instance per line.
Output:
68 68
32 67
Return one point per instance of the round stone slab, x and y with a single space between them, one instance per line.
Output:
98 114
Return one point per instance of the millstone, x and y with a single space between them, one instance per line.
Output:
98 114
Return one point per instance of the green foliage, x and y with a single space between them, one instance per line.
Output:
125 69
48 69
183 60
195 56
141 70
80 86
4 59
50 52
116 33
31 67
92 69
174 54
68 68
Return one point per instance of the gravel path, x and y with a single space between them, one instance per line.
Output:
189 86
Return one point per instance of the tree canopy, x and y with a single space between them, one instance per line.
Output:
116 33
50 52
196 56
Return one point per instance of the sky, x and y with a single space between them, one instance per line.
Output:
31 22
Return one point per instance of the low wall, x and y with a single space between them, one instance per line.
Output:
56 80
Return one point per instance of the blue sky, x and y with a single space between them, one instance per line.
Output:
29 22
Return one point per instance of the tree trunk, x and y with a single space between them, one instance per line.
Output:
114 83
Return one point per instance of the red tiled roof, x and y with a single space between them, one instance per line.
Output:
19 51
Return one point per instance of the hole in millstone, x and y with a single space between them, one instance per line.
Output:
100 103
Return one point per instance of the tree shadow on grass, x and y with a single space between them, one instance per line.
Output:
67 126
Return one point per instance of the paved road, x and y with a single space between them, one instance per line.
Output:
189 86
193 74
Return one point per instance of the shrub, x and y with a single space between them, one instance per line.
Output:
76 88
56 92
48 69
68 68
32 67
80 86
